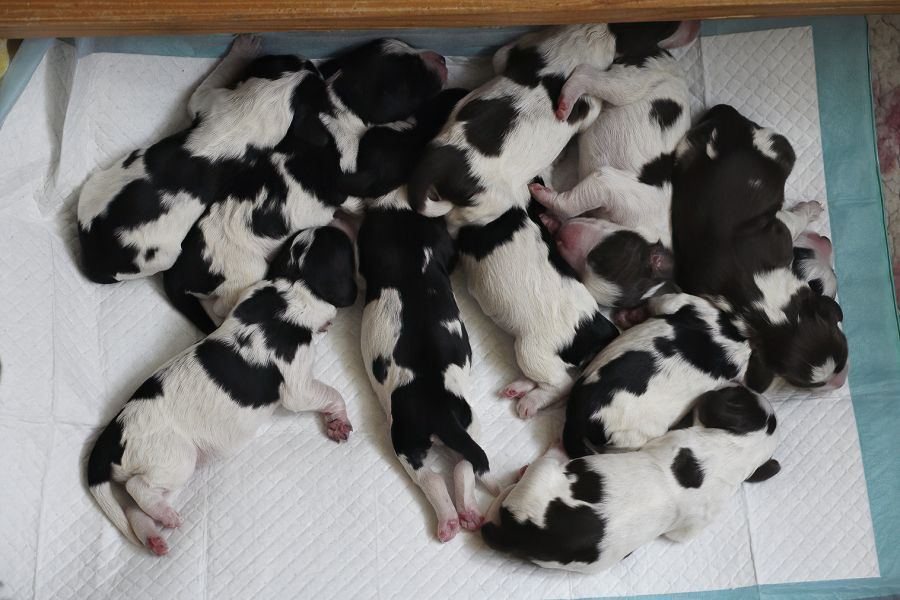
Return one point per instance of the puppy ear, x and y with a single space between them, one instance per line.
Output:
828 309
662 264
759 376
767 470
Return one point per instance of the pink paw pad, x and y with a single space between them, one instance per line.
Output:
448 530
157 545
169 518
339 430
471 520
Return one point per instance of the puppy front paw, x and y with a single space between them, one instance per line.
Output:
246 45
157 545
471 519
809 210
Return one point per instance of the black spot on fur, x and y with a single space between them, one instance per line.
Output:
488 122
687 470
553 84
478 241
329 268
735 409
107 451
692 341
131 158
817 286
265 309
570 534
640 58
273 67
658 171
268 223
767 470
523 66
265 304
443 172
579 111
728 328
380 368
771 423
149 253
249 385
641 37
591 335
588 485
665 112
151 388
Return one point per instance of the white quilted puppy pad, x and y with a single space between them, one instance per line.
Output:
293 514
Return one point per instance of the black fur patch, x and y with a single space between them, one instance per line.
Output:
665 112
658 171
728 328
249 385
693 342
445 171
771 424
152 388
588 485
767 470
149 253
735 409
523 66
329 268
591 336
687 469
480 241
380 368
108 450
131 158
488 122
265 304
553 84
273 67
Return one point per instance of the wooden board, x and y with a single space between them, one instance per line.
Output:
39 18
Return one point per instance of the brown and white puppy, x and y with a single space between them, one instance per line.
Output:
733 240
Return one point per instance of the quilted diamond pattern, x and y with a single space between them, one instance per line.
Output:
294 514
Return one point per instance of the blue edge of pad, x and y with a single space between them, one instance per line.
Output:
857 221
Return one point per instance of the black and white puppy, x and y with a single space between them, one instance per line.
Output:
212 397
626 156
645 381
133 216
813 263
417 354
732 241
300 184
589 513
514 271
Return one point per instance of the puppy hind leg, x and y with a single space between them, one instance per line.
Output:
153 500
435 490
146 530
518 388
323 398
173 464
464 496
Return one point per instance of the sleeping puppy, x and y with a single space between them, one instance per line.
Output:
212 397
617 265
626 156
589 513
133 216
731 171
516 274
300 184
303 184
644 382
417 354
813 263
505 132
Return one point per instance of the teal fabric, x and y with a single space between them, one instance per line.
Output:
857 220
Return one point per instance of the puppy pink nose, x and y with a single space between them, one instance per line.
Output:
838 379
436 62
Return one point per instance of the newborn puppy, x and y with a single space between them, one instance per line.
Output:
417 354
133 216
626 156
616 264
505 132
589 513
644 382
731 171
813 263
516 274
213 396
299 184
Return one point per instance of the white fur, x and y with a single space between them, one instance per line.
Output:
621 141
641 498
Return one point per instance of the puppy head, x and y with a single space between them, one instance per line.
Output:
809 350
741 149
616 264
634 39
743 413
812 263
323 259
386 80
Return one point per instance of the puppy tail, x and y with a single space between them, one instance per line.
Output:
107 450
187 304
457 438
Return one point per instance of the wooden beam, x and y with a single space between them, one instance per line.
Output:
55 18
